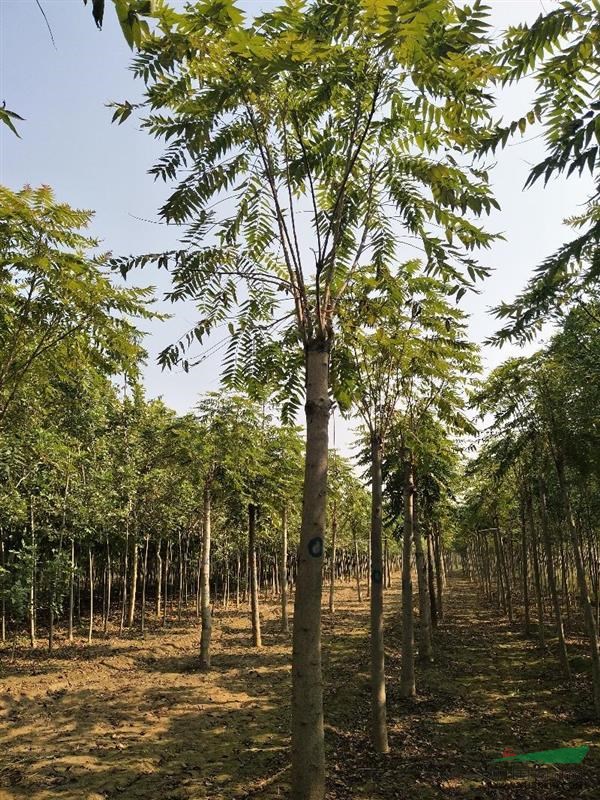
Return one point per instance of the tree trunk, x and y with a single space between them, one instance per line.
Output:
368 570
166 584
255 611
439 570
158 578
564 579
51 601
108 585
379 736
407 672
125 573
333 557
387 565
430 579
2 585
485 553
226 589
506 574
536 572
71 589
525 568
56 572
91 568
144 578
133 585
285 625
500 594
205 610
588 614
32 588
357 565
180 574
79 576
198 574
54 578
562 647
425 641
308 751
186 553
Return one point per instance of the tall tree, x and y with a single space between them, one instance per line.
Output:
334 109
437 364
394 327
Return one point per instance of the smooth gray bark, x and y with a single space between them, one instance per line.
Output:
379 736
205 609
425 640
283 581
407 671
308 749
254 606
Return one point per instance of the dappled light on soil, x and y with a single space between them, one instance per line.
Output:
136 719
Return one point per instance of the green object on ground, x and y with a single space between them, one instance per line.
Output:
564 755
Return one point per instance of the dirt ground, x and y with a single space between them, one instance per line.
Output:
133 718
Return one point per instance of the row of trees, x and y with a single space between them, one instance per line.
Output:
311 146
528 526
94 475
530 520
118 499
111 501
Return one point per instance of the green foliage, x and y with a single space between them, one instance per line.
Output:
57 300
112 473
568 277
348 500
303 142
15 591
561 50
130 14
437 461
402 348
7 117
541 415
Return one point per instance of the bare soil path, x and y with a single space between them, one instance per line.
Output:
133 718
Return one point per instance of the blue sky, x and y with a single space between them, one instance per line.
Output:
69 143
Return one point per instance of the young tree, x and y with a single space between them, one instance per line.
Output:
283 490
234 466
394 325
437 365
348 514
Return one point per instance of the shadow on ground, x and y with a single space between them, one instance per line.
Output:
136 719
